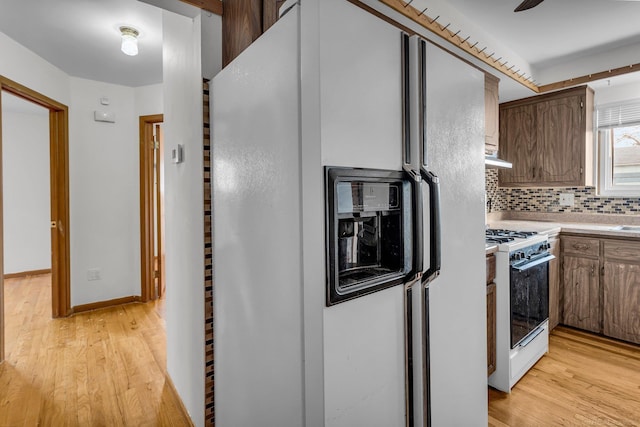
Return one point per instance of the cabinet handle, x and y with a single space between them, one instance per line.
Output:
593 271
581 246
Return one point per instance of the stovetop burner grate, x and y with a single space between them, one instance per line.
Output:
500 235
499 232
496 239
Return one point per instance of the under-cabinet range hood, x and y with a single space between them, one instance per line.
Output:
493 162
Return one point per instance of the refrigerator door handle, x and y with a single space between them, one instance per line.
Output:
434 226
418 227
407 159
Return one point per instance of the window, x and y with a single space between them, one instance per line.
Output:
618 127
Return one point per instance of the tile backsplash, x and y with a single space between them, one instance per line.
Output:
497 198
546 200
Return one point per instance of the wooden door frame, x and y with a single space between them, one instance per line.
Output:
59 188
147 291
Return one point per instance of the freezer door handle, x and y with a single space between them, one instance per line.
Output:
406 103
434 226
418 221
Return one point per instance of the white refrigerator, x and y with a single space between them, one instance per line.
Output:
324 87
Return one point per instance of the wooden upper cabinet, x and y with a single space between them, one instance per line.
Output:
549 139
560 134
516 125
491 107
243 22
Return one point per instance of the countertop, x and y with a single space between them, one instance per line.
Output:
491 249
553 228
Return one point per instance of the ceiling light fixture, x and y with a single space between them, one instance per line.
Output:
129 41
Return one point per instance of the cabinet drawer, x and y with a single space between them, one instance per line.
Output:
491 268
581 246
620 250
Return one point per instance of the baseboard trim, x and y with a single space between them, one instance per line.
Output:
168 382
27 273
104 304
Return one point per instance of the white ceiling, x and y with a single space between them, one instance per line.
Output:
556 40
557 30
82 37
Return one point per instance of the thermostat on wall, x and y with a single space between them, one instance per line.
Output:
176 154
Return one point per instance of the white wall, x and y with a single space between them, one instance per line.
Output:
184 231
211 44
616 93
148 100
104 193
26 204
105 188
28 69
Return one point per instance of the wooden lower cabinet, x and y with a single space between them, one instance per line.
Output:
581 306
601 279
491 328
491 314
555 285
621 285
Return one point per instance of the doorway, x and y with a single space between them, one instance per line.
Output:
151 208
59 196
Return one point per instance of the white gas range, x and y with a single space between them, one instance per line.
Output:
522 303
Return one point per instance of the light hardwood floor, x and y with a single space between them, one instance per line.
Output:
99 368
106 368
584 380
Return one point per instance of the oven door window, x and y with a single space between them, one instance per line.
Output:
529 300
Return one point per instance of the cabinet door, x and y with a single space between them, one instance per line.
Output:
622 301
545 137
560 136
555 290
491 328
518 144
491 124
581 293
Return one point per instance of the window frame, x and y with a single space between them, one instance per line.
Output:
604 144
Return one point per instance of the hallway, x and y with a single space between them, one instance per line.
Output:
103 367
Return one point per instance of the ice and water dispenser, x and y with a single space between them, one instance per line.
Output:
369 231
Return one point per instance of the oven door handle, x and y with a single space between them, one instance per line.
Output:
534 263
531 336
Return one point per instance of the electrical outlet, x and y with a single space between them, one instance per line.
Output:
566 199
94 274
